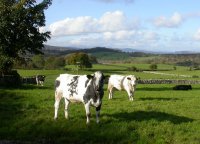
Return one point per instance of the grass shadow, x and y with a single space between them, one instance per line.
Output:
25 87
11 106
149 115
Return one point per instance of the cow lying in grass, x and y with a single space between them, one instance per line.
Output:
120 82
182 87
87 89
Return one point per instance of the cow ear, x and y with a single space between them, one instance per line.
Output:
128 78
90 76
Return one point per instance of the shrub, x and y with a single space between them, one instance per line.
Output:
133 68
153 67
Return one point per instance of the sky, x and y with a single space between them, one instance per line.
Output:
151 25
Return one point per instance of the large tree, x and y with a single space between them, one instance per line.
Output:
20 21
80 58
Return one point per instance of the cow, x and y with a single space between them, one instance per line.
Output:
120 82
40 79
87 89
182 87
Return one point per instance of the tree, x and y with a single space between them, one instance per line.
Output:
82 59
153 67
20 21
54 62
38 61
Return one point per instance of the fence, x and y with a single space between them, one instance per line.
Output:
168 81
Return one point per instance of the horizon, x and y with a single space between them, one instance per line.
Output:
125 50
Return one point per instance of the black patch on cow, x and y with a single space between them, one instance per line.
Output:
86 98
98 108
94 92
40 77
128 78
86 82
57 83
182 87
89 76
73 85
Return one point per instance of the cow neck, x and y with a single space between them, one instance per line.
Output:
122 81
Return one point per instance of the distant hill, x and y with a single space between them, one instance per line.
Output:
108 54
55 50
98 52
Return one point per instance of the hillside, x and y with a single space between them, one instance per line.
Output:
115 55
98 52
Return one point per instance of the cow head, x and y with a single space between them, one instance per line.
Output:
97 80
132 80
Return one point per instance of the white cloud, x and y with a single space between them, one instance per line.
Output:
73 26
197 35
112 21
174 21
119 35
115 30
109 22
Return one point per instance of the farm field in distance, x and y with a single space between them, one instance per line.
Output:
158 114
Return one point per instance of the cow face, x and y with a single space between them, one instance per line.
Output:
132 80
95 90
99 81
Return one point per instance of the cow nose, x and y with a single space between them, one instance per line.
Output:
97 88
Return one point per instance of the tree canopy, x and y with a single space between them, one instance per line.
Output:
81 59
20 23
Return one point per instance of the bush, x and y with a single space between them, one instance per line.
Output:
195 76
80 59
133 68
11 79
153 67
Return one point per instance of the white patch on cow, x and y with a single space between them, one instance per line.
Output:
120 82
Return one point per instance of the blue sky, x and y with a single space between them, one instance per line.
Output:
153 25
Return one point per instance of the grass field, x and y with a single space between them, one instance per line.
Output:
158 115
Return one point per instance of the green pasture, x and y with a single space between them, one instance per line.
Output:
158 114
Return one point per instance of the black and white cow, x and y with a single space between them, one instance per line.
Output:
40 79
121 82
87 89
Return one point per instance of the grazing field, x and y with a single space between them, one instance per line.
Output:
158 114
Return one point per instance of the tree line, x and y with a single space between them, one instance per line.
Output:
81 59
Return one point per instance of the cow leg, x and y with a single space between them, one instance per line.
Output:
41 82
57 102
87 110
130 94
98 113
66 108
110 93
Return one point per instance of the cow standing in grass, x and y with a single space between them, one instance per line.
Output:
120 82
87 89
40 79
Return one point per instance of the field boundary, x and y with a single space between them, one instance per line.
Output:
168 74
167 81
